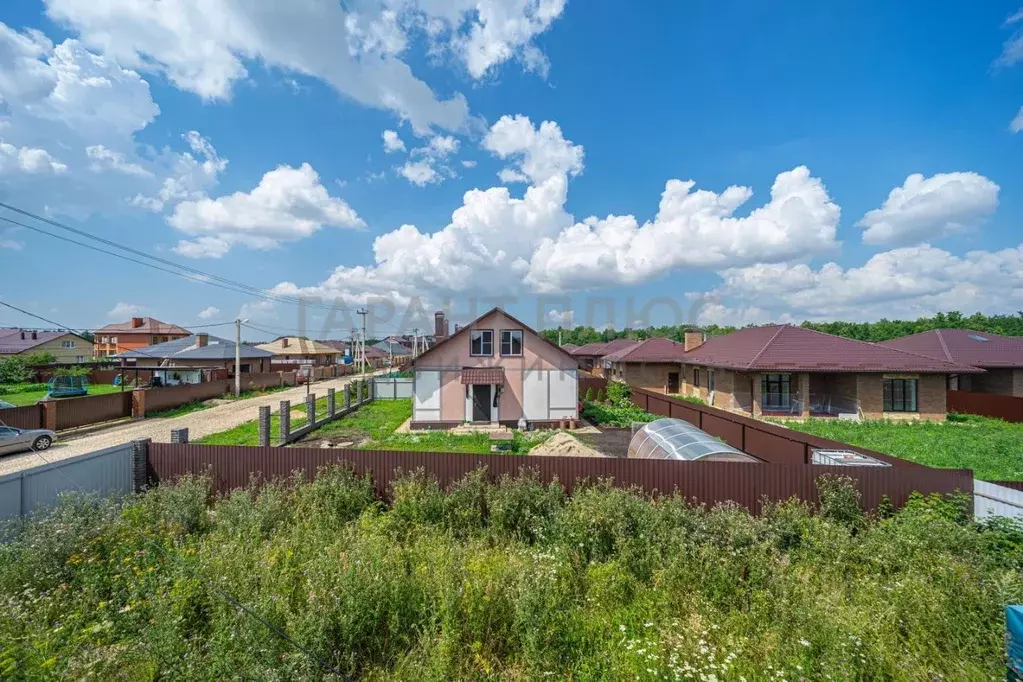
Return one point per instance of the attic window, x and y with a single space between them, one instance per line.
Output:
978 337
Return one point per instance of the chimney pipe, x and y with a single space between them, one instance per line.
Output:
439 324
22 334
35 335
284 342
202 340
137 322
693 338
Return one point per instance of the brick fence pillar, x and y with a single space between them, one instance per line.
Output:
331 404
140 463
264 425
310 409
348 396
179 436
285 420
49 414
138 403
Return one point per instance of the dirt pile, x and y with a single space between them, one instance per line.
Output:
564 445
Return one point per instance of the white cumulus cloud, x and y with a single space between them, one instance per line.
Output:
124 310
209 313
926 208
538 152
428 164
28 160
288 204
392 143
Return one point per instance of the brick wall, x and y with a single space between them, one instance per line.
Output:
724 388
870 393
649 376
930 398
931 395
1000 381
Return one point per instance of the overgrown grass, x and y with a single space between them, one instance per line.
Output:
30 396
991 447
506 581
620 416
689 398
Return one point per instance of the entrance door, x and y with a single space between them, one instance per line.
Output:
673 383
481 402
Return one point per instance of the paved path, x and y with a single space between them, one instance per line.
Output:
199 424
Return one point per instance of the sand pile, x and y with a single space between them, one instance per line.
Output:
564 445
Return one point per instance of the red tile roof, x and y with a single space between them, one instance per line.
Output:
601 348
150 325
651 350
483 375
964 346
786 348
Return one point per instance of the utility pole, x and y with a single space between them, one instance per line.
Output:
415 342
559 337
237 357
362 312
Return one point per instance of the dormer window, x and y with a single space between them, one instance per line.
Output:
481 342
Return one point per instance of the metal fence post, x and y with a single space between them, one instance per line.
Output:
179 436
330 402
348 395
264 425
285 421
140 463
310 409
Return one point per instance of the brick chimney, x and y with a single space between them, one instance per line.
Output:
137 322
284 342
22 334
439 324
693 338
35 335
202 340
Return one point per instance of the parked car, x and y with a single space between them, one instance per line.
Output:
6 405
16 440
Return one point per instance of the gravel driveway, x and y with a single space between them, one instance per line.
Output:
199 424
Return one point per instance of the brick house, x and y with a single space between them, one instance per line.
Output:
789 371
64 346
590 355
654 364
495 369
136 333
1000 356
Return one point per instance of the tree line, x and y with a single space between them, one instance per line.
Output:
882 330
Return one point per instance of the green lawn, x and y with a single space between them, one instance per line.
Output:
991 447
372 428
32 397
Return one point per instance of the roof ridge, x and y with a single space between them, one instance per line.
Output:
944 347
756 357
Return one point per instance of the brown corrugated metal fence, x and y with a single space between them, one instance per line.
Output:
27 417
1007 407
770 442
93 409
708 482
587 382
173 396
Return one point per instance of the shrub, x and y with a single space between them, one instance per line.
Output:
600 395
589 394
619 393
523 508
610 415
840 500
416 498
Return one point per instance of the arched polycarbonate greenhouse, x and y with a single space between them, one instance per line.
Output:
676 439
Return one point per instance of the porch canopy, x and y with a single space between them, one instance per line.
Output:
483 375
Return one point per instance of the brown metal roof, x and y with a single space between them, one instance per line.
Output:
651 350
11 342
787 348
601 348
150 325
483 375
964 346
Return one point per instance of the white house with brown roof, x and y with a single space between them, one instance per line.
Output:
299 349
498 370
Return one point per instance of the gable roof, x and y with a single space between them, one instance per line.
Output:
389 347
150 325
187 348
569 347
11 342
297 345
602 348
964 346
472 325
787 348
650 350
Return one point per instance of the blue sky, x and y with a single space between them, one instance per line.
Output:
249 144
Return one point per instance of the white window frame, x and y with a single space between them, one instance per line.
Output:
484 334
67 344
511 337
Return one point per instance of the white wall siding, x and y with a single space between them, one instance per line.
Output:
996 500
550 394
564 394
534 395
426 398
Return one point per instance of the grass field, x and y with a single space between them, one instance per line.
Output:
32 397
501 581
991 447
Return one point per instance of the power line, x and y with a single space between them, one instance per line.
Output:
195 275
